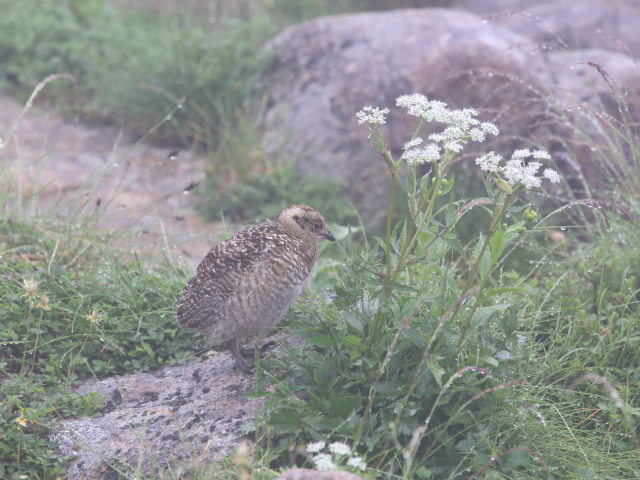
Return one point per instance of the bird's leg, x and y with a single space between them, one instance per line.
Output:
266 346
242 362
250 350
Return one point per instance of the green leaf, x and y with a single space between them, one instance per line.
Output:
485 261
437 371
482 315
344 405
497 244
320 340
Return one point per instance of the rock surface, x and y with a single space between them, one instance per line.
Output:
566 24
178 417
132 187
307 474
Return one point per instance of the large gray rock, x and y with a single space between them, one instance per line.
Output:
567 24
598 77
596 96
176 418
325 70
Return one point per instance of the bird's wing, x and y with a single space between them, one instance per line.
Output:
220 274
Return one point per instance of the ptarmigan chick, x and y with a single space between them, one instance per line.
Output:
244 285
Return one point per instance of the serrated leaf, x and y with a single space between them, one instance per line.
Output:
482 315
437 371
344 405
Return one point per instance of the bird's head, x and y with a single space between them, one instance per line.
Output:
306 222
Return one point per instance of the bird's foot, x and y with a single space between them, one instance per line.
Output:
245 364
250 350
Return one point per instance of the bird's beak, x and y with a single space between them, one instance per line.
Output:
329 236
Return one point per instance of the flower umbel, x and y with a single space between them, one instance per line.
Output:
340 448
315 447
420 156
357 462
461 125
372 115
323 462
551 175
517 170
489 162
339 453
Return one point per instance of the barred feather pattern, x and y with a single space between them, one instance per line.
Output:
245 284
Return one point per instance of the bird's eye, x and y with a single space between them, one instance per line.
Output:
316 226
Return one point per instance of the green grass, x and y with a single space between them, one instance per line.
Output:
131 67
68 316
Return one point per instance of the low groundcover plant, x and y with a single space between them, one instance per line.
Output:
411 359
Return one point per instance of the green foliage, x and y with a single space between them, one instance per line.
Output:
431 360
28 410
79 319
595 300
130 66
403 365
71 308
264 195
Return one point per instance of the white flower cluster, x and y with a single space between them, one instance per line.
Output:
416 155
372 115
461 127
327 461
517 170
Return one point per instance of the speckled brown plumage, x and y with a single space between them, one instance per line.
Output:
244 285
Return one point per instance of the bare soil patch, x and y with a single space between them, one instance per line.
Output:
141 190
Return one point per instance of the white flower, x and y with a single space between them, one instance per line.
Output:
516 171
513 171
477 135
453 133
521 153
315 447
416 104
340 448
489 162
413 143
551 175
372 115
542 154
419 156
323 462
489 127
531 168
357 462
530 181
454 146
462 118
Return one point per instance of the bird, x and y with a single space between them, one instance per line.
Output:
245 285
